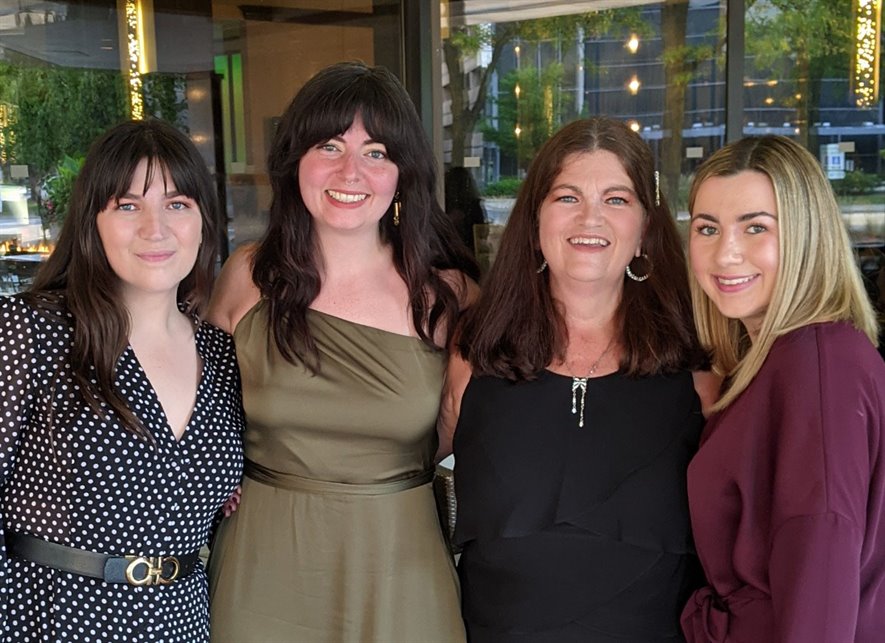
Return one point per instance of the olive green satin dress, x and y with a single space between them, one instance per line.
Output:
336 538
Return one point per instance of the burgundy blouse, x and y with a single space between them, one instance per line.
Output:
787 498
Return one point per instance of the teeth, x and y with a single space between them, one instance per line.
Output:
733 282
588 241
347 198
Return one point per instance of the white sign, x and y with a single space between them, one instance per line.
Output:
833 160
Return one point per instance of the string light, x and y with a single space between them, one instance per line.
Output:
633 43
634 85
133 48
865 67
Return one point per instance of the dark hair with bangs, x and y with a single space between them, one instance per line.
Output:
77 278
516 328
285 267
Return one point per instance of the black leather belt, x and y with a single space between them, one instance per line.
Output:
133 570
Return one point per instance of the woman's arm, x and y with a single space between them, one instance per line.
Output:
235 292
458 374
707 385
457 371
17 385
828 409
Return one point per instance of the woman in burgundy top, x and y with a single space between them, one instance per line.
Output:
787 492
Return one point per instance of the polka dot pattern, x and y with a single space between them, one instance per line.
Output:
73 477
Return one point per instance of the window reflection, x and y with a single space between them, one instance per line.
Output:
510 78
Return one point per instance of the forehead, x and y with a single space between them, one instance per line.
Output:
596 166
746 191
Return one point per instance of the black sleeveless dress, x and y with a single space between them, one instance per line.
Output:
575 534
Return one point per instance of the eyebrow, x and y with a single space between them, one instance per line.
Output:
575 188
742 218
368 141
168 195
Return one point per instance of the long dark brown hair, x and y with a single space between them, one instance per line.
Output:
77 278
285 267
516 329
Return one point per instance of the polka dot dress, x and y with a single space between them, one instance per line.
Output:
72 477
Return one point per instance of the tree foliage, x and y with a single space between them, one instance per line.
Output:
800 39
536 112
463 42
58 111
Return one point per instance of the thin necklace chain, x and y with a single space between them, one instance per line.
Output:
580 383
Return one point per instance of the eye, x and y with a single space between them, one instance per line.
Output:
756 228
616 200
126 207
566 198
706 230
377 154
180 205
327 147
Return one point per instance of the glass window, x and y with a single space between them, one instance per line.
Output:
810 71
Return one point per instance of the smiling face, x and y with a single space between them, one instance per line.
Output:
150 238
591 221
347 182
733 245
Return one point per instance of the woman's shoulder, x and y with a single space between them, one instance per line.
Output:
837 346
235 292
36 311
213 338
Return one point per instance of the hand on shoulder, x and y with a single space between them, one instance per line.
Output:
235 292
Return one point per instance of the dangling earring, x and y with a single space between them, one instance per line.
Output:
396 209
542 268
636 277
657 188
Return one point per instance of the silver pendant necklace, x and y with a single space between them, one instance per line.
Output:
580 384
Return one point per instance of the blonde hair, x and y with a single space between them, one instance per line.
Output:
817 279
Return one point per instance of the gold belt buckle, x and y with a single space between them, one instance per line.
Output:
153 570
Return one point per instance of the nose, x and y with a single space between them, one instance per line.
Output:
153 223
729 251
591 213
349 168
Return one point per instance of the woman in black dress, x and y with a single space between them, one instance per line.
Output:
580 412
121 413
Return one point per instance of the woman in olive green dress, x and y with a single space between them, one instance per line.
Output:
340 317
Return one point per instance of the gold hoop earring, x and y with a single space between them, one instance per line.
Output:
542 268
657 188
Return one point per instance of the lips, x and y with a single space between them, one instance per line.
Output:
347 197
589 241
735 281
155 256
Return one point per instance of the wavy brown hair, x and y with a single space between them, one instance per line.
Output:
516 329
286 263
77 278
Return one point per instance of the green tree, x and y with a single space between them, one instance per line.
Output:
58 112
537 112
681 63
468 103
801 39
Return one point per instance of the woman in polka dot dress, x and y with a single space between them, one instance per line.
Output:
121 411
